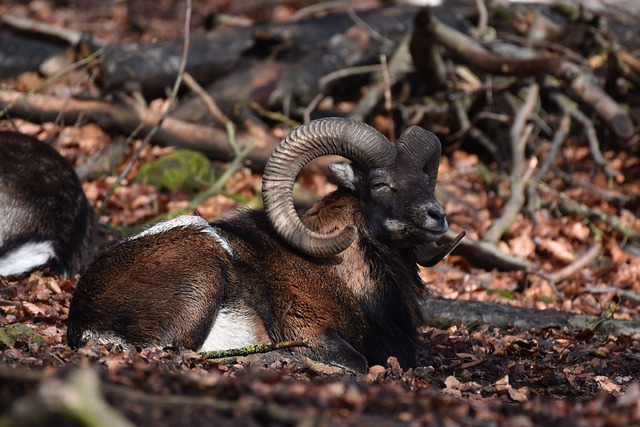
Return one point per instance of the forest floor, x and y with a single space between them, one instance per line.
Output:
579 229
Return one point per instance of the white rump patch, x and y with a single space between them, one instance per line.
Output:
187 221
26 258
231 329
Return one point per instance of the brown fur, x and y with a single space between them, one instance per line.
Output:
356 308
166 289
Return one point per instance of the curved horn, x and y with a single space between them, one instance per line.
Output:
356 141
425 148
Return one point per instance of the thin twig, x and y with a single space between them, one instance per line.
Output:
483 18
321 7
518 143
253 349
581 263
558 139
347 72
373 33
386 79
206 99
273 115
306 114
400 64
172 100
23 23
631 296
55 77
571 108
610 196
463 120
521 172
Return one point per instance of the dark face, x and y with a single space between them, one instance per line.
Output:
399 206
398 203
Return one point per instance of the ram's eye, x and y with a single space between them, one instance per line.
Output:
379 186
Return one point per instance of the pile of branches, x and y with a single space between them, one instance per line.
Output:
493 79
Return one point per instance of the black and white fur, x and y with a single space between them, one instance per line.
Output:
45 219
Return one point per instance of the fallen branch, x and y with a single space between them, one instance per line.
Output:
126 118
631 296
487 255
595 215
22 23
570 108
581 263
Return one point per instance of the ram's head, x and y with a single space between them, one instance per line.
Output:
395 184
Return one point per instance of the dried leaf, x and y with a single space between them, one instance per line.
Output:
607 385
502 384
519 394
375 374
452 386
32 308
558 248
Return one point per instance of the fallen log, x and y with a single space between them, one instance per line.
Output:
154 65
443 313
126 118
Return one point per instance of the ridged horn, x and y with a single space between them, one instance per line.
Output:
357 141
425 148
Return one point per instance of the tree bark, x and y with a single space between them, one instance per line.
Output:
443 313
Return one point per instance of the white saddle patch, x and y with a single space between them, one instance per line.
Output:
186 221
26 258
231 329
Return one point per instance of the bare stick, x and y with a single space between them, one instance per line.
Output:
483 17
23 23
475 132
170 104
306 114
631 296
128 117
346 72
520 173
208 102
558 138
579 81
399 65
360 23
253 349
570 107
582 262
518 142
386 79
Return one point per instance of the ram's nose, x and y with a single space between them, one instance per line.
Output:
436 218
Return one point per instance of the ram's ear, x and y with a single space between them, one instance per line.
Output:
346 175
